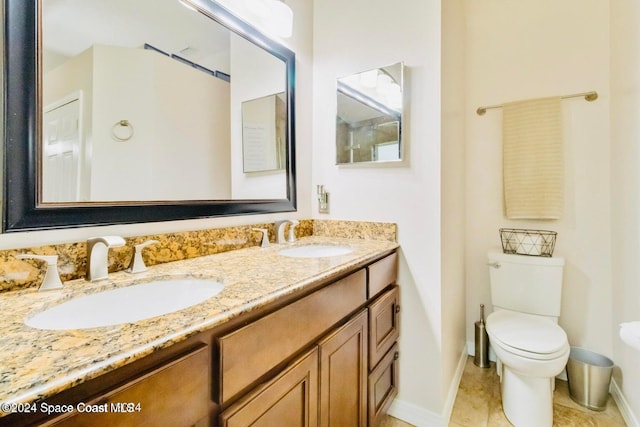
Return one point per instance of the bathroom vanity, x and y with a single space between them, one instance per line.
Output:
289 341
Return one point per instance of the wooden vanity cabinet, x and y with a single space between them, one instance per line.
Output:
384 324
327 358
327 386
351 325
343 375
290 399
384 331
383 385
381 274
174 393
253 351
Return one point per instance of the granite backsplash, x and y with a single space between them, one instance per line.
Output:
72 257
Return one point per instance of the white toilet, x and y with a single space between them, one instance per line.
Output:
530 346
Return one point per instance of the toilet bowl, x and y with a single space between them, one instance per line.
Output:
531 350
526 294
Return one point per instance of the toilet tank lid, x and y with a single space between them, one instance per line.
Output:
496 255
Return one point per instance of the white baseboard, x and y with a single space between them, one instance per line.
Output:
415 415
453 388
421 417
625 410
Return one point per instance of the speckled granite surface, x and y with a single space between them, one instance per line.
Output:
22 274
72 263
37 363
355 229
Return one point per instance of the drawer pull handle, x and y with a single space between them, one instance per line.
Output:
397 309
396 355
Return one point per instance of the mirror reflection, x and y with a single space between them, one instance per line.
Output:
369 116
264 124
143 100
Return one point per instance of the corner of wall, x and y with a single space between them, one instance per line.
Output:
421 417
623 405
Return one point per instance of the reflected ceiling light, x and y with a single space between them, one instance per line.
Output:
395 99
274 17
369 78
187 5
384 83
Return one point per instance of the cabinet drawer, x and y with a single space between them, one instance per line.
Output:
176 393
384 325
382 273
383 386
252 351
290 399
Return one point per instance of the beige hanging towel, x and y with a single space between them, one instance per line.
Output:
532 159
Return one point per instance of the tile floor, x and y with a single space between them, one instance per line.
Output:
478 404
389 421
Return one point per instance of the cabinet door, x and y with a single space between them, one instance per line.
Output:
290 399
383 386
175 393
343 375
384 325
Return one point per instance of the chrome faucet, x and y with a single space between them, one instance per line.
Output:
280 225
97 256
51 278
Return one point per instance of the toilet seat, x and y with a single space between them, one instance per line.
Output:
527 336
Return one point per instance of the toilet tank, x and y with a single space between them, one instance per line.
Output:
526 284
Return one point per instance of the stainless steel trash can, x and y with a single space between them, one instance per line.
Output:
589 375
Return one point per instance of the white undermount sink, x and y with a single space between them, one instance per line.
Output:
126 304
315 251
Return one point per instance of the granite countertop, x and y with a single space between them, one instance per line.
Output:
36 364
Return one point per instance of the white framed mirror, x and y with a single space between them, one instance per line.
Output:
369 116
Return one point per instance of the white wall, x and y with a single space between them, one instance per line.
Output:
531 49
625 193
121 91
301 43
191 147
179 148
453 193
358 35
251 67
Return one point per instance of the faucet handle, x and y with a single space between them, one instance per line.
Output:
51 277
137 264
292 235
264 242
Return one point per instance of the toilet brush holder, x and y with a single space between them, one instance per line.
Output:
481 356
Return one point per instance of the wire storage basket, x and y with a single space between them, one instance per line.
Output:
528 242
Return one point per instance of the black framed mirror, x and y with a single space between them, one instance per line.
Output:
29 202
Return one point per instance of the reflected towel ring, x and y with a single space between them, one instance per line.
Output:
122 124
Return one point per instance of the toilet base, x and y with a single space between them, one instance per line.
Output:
527 401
